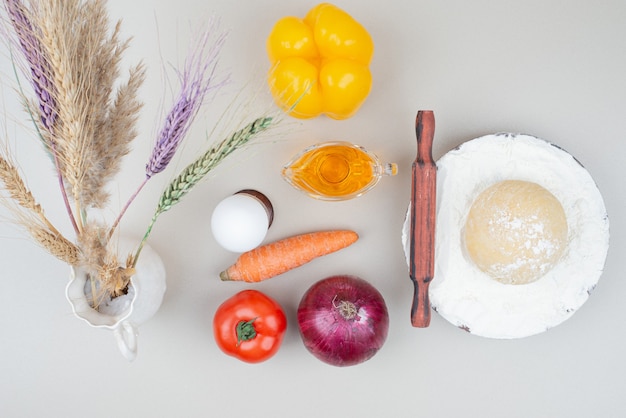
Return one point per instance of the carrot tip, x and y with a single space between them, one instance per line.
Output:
225 277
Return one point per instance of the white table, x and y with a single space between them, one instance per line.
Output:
552 69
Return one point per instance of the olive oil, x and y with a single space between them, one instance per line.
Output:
336 171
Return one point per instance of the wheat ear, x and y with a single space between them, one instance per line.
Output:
15 186
197 81
41 80
32 218
55 244
196 171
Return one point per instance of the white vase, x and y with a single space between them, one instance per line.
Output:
123 317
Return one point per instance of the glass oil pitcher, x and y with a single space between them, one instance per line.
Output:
336 170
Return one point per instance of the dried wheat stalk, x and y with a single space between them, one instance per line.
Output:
197 170
86 117
83 62
56 244
71 57
32 216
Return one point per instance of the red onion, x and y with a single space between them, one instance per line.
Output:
343 320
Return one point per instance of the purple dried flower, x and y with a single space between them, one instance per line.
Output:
197 80
36 60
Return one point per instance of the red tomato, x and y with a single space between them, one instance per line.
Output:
249 326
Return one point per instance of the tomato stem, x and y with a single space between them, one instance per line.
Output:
245 331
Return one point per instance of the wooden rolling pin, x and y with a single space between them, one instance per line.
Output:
423 215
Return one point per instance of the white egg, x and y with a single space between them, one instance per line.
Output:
240 222
470 298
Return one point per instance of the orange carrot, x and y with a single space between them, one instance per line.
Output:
278 257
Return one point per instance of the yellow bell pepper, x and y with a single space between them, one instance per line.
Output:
320 64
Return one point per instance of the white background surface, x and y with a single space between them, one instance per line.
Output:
552 69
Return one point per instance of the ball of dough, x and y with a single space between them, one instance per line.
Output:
516 231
